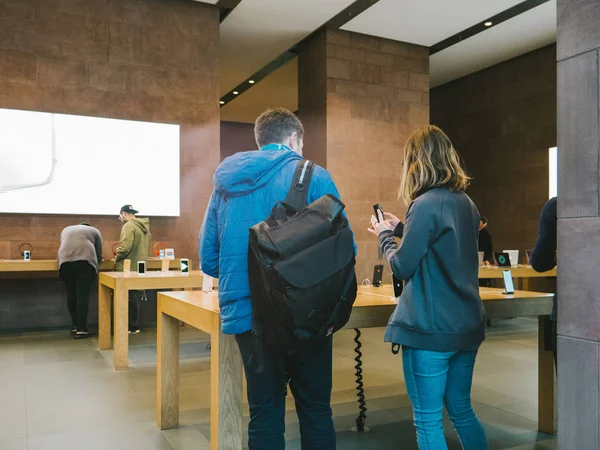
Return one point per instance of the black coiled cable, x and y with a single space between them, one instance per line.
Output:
362 404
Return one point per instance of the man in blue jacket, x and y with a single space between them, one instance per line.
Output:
247 186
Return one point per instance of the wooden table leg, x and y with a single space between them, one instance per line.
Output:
525 284
104 324
546 382
167 395
121 320
226 376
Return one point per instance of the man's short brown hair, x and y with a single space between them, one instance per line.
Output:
274 126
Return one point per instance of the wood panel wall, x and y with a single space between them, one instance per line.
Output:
147 60
502 121
360 98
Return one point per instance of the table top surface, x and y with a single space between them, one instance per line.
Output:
487 294
48 265
150 275
201 299
367 296
517 272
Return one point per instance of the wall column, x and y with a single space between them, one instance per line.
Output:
360 97
578 45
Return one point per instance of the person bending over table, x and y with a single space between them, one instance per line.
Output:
439 320
79 255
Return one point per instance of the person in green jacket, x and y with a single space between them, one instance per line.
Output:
133 245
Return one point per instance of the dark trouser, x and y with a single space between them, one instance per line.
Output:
78 277
310 372
134 308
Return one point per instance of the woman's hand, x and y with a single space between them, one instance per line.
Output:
391 219
381 225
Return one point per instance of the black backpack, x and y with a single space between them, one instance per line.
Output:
301 268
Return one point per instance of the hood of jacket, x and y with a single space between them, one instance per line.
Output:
246 172
142 223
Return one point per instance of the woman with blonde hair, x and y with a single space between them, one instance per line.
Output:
439 320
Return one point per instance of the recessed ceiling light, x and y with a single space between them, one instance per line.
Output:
251 81
488 24
235 92
222 102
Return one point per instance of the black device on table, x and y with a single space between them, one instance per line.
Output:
502 259
141 267
377 275
509 287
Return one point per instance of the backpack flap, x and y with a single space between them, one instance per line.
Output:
300 231
334 254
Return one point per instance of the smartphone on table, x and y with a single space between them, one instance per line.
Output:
378 275
509 287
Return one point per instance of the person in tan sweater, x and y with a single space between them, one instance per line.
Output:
133 245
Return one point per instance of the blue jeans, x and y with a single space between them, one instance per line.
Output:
437 378
310 379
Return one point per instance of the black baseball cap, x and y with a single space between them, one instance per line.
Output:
128 209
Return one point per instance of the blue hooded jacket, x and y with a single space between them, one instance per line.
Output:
246 187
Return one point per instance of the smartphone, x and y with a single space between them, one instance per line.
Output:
27 255
509 287
377 275
398 286
376 208
141 267
185 265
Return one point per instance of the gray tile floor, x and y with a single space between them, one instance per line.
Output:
61 394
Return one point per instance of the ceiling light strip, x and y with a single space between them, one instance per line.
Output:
227 6
256 77
486 25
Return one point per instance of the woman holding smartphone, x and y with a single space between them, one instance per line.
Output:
439 320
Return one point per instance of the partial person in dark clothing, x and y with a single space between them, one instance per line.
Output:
79 255
543 256
485 242
485 246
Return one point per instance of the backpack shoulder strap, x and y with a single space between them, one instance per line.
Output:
298 194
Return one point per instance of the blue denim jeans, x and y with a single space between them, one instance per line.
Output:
310 379
434 379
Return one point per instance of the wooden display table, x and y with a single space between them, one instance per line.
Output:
50 265
121 283
521 273
372 308
487 272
